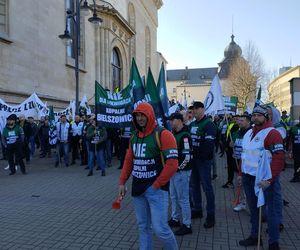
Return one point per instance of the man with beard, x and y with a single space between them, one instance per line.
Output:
262 137
151 166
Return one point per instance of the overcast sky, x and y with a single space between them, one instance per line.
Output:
194 33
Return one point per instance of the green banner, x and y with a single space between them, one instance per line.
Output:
230 103
113 109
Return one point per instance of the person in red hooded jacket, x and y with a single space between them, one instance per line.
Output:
151 163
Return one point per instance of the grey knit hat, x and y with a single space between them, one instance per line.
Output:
261 110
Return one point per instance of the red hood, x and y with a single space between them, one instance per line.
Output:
146 109
256 129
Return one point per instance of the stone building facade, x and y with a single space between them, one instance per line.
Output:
279 88
33 58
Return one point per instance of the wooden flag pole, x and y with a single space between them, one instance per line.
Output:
259 228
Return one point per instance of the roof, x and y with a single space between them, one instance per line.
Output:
192 76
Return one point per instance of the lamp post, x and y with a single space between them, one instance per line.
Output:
185 97
68 39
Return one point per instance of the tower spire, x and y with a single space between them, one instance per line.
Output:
232 23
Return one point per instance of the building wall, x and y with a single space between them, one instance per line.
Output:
193 92
279 89
33 58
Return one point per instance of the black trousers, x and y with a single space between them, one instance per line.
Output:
296 157
75 147
45 146
83 152
26 149
231 164
124 144
14 151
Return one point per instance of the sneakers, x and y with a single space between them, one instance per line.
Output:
196 214
174 223
250 241
240 207
90 173
228 185
184 230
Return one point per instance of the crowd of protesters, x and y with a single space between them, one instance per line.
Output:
76 141
182 161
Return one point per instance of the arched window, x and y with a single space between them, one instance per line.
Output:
116 69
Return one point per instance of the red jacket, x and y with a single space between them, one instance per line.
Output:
167 142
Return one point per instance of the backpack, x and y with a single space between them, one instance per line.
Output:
157 135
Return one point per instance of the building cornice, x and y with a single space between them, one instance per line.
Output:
106 8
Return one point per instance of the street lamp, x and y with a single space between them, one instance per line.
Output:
68 39
185 97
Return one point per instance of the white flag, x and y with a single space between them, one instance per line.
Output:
263 173
214 100
84 105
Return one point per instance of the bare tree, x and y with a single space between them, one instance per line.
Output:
246 74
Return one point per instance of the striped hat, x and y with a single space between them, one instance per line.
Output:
261 110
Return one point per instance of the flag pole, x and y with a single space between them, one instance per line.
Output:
259 228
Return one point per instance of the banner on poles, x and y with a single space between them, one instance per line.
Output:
113 109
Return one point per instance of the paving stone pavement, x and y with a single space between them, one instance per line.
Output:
62 208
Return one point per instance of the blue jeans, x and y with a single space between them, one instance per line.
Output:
32 145
201 173
99 159
62 149
179 193
151 208
248 184
273 203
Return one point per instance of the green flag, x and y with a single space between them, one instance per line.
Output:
113 109
258 97
162 90
152 97
138 91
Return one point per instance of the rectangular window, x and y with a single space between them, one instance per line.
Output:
71 5
3 17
